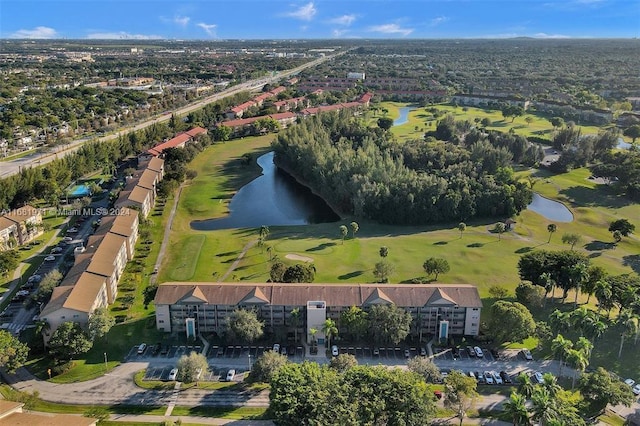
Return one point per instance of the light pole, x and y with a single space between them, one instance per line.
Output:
249 362
105 361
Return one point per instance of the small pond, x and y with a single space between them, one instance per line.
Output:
272 199
552 210
622 144
404 116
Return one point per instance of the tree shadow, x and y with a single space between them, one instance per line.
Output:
594 255
441 243
632 261
475 245
599 246
350 275
602 195
320 247
228 253
524 250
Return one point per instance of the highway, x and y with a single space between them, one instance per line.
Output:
12 167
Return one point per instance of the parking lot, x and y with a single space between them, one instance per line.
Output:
215 374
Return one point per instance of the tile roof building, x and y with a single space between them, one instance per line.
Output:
436 309
23 224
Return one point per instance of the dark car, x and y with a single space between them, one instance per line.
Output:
505 377
455 352
495 353
480 377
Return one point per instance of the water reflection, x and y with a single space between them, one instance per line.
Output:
552 210
272 199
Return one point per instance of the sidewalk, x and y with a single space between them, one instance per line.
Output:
193 420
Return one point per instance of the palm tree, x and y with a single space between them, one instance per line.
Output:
578 273
551 228
314 343
578 360
559 321
516 409
330 330
596 329
604 295
525 385
294 321
560 346
544 409
462 227
343 232
549 285
579 318
629 324
585 346
550 382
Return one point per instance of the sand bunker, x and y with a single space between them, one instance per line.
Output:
298 257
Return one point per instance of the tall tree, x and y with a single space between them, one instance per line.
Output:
551 228
623 225
525 385
460 393
343 362
560 347
382 270
13 353
68 341
295 320
354 322
633 132
389 323
343 232
266 366
600 389
426 368
330 330
571 239
354 228
244 325
191 367
100 322
628 325
516 409
511 322
500 228
462 227
436 265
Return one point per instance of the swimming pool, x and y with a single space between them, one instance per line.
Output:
80 191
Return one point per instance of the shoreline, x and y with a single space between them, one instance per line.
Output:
302 182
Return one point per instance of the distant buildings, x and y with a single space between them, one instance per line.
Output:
20 226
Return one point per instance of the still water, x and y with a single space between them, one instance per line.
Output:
404 116
272 199
550 209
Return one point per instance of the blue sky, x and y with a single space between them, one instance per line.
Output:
285 19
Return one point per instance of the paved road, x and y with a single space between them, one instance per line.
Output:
12 167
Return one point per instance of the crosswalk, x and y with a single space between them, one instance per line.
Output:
12 327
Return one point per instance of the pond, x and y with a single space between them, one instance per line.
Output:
272 199
622 144
404 116
552 210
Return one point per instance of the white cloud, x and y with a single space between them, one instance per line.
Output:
305 13
391 29
183 21
338 33
37 32
343 20
208 28
544 35
439 20
122 35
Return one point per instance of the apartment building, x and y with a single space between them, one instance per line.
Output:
441 310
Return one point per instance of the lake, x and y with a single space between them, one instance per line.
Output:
404 116
272 199
552 210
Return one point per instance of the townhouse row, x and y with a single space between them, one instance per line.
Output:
92 281
192 308
141 188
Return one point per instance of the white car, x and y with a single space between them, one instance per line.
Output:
49 258
496 378
276 348
173 374
630 382
72 230
488 378
527 355
478 352
35 278
67 239
56 250
537 376
230 375
636 389
334 350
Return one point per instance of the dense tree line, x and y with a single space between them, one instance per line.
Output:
310 394
359 170
622 167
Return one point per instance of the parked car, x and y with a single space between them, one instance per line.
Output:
283 351
49 258
292 351
376 352
34 279
72 230
630 382
505 377
423 352
231 374
455 352
636 389
497 378
334 350
470 351
407 354
488 378
537 377
479 377
56 250
527 354
472 375
173 374
276 347
142 348
67 239
478 352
